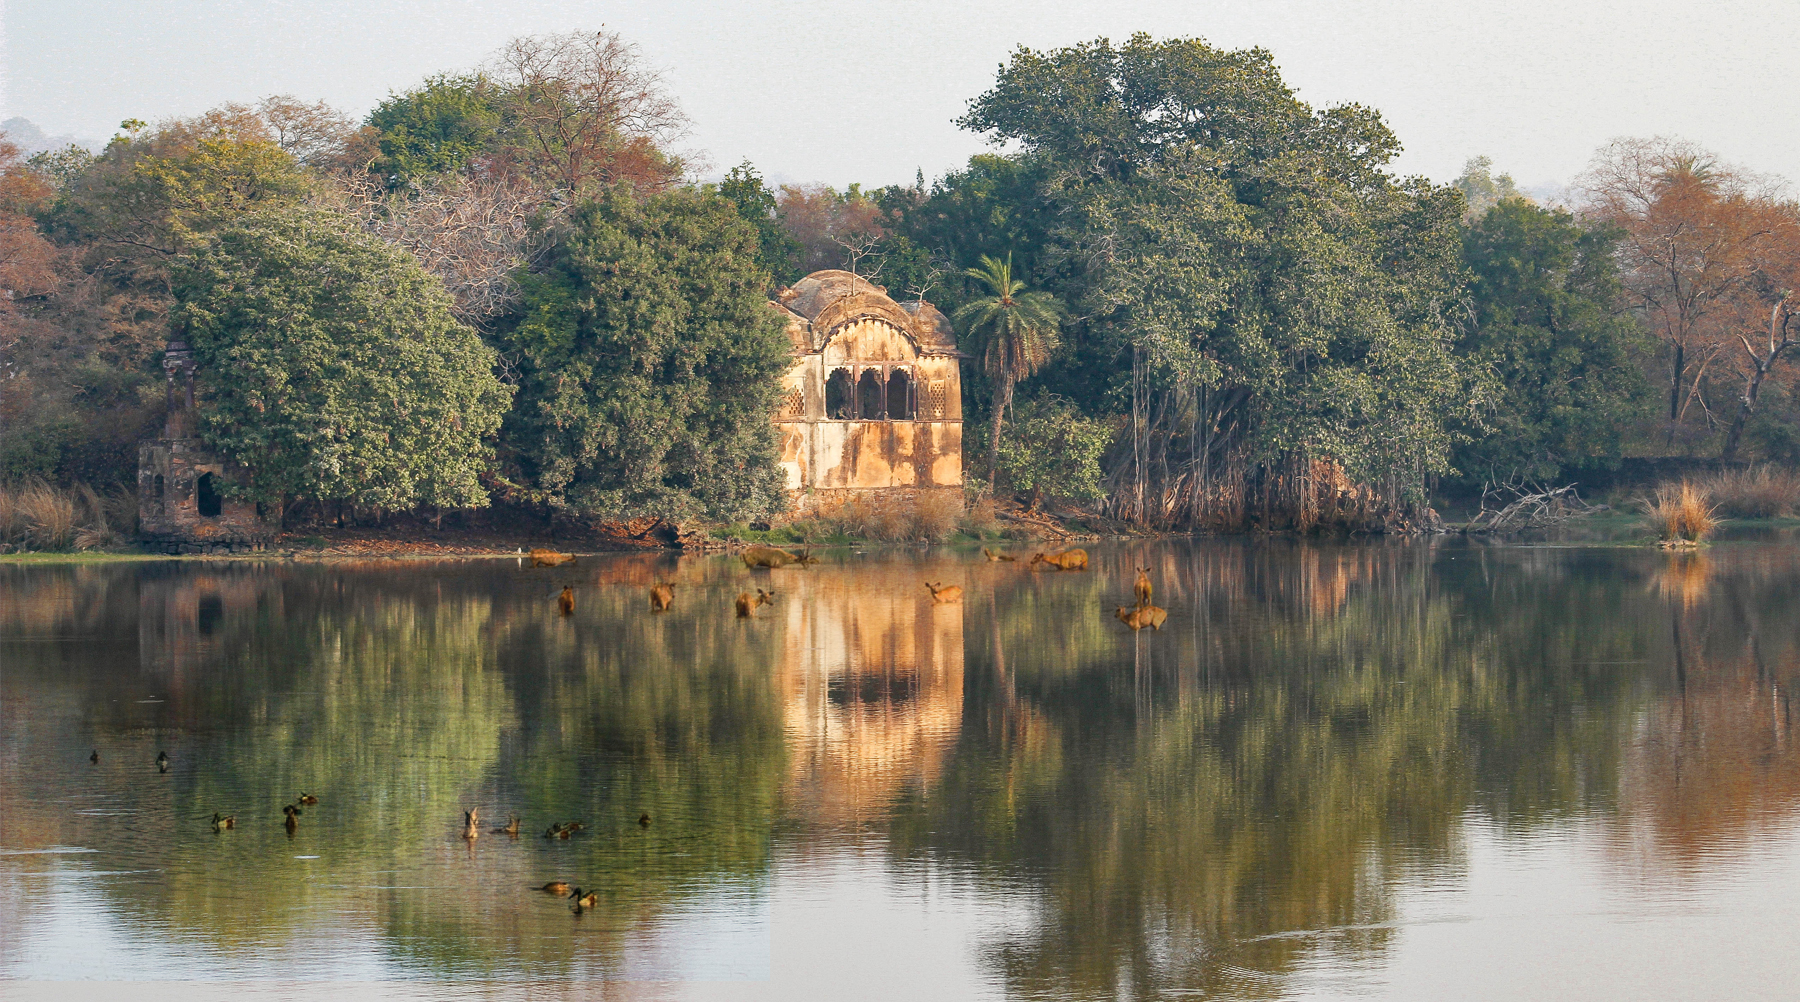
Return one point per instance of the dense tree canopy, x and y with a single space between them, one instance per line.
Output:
1275 296
1545 320
650 362
330 365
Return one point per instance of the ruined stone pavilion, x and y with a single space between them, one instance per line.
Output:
873 401
182 507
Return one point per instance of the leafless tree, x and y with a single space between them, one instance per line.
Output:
583 109
473 233
314 134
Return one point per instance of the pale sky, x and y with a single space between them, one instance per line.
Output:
865 91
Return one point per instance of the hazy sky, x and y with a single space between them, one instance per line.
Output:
866 91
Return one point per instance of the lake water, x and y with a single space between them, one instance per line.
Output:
1417 770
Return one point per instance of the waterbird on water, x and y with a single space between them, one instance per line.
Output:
644 819
223 821
293 818
307 798
162 761
95 757
512 827
555 887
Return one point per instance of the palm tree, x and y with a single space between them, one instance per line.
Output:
1017 330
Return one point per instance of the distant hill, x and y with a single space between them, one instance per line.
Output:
31 139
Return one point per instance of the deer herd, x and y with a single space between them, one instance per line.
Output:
662 594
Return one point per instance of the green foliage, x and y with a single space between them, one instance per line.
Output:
1054 451
1481 188
330 365
436 128
651 362
1282 293
1566 383
779 252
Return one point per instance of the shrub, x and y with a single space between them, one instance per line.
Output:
930 517
1681 512
1053 451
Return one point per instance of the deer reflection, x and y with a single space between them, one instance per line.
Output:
872 684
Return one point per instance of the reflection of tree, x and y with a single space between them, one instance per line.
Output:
1714 761
1312 725
402 695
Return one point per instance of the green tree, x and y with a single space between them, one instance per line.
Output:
1565 364
332 368
1481 188
440 127
779 253
651 362
1017 331
1280 297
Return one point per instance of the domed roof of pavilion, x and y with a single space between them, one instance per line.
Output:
826 301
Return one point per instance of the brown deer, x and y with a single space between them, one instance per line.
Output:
942 595
1142 616
550 558
1142 587
662 596
1067 560
772 558
998 557
746 606
566 601
470 817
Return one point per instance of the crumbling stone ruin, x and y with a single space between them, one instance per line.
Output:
873 402
182 507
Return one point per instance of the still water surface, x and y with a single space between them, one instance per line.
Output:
1424 770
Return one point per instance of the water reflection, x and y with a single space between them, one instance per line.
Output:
1217 808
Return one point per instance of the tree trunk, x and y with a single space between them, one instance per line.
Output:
1680 363
1759 368
1002 397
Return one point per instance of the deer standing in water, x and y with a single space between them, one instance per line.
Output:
566 601
662 596
1067 560
1142 588
942 595
746 606
997 557
470 817
550 558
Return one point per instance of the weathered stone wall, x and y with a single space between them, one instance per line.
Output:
825 451
181 505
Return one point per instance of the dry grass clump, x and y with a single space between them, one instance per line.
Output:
931 517
1681 512
37 516
981 519
1755 492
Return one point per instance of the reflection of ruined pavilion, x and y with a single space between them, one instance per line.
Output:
874 398
872 686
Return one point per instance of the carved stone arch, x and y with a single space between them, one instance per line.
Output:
844 324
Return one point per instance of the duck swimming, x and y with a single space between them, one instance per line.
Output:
95 757
644 819
223 821
555 887
293 818
511 828
162 761
307 798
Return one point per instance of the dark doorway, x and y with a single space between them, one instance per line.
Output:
840 403
899 396
208 496
869 393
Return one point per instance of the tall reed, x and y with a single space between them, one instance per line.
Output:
1755 492
1680 512
34 515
